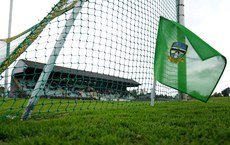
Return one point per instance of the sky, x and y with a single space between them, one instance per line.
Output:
209 19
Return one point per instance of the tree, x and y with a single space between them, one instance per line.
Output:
226 92
217 94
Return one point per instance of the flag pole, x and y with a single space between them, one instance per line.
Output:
8 47
153 93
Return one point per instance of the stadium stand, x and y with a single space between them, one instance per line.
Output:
67 83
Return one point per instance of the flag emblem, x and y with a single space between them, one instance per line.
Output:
177 52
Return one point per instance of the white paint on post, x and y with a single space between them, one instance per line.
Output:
40 85
180 7
8 47
153 94
180 19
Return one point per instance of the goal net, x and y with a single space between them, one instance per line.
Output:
83 55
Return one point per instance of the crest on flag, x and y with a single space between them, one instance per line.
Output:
177 52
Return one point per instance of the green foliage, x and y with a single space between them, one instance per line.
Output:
190 122
217 95
226 92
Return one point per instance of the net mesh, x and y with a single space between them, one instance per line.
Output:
106 60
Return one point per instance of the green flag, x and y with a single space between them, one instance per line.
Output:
185 62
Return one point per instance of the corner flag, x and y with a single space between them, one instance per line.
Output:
185 62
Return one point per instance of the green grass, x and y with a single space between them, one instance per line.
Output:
14 108
179 122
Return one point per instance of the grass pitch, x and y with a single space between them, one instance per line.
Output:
179 122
